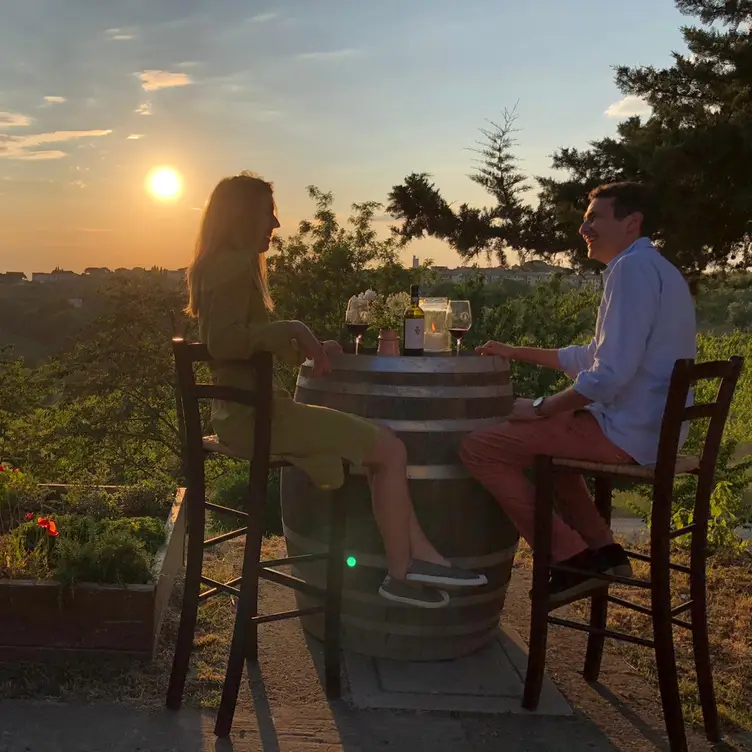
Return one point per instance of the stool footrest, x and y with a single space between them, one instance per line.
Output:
219 587
301 559
605 577
671 565
225 537
226 510
605 632
282 615
287 580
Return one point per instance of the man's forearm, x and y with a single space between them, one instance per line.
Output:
537 356
563 402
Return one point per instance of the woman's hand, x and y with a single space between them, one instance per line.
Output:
332 347
312 349
499 349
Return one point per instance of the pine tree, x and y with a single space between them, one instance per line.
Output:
694 149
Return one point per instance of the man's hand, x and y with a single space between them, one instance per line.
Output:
498 349
332 347
312 349
522 409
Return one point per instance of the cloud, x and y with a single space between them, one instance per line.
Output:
331 55
55 100
260 18
119 35
144 109
25 147
13 120
134 136
153 80
628 107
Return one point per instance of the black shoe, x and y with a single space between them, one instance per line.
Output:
566 587
613 559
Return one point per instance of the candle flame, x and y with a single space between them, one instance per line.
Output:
433 327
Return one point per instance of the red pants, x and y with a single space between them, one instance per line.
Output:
498 456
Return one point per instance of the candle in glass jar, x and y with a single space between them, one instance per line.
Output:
435 341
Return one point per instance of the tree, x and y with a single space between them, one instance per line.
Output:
695 150
314 272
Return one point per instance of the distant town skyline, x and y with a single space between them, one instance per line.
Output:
349 96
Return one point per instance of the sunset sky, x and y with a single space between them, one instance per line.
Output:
351 95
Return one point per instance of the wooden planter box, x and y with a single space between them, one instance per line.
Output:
43 620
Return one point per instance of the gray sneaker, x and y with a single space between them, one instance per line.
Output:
407 594
427 573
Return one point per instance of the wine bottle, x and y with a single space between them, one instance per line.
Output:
413 328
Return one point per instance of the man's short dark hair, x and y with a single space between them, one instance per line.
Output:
629 197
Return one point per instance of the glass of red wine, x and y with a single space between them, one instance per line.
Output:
459 319
356 321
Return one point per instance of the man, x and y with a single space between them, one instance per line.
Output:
613 411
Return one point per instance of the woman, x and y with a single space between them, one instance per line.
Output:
229 295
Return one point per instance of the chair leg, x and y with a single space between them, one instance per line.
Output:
544 504
599 601
189 610
700 638
665 656
333 605
247 607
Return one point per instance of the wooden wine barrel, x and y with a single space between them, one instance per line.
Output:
430 403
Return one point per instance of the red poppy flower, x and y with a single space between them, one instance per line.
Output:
48 525
28 516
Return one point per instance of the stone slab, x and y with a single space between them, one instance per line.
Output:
488 681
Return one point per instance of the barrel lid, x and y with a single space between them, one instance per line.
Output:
426 364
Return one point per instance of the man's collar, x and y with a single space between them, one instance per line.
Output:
640 244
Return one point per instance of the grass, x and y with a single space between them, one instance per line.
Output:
730 619
142 683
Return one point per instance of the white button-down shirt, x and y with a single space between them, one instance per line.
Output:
646 321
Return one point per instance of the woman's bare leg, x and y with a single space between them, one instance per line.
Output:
403 536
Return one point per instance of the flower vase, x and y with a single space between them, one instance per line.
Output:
388 342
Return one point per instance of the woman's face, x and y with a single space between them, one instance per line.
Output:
272 227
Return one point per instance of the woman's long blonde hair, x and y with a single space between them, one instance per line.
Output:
236 217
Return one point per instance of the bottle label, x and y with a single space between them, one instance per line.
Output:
414 334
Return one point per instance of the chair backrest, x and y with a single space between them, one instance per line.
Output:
191 392
685 375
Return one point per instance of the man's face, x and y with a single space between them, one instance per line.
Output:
605 235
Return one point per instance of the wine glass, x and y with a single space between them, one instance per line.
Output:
356 319
459 319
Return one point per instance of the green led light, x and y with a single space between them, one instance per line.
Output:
351 561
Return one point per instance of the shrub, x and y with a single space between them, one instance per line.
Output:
231 490
147 498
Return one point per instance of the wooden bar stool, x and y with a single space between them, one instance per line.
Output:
664 616
244 644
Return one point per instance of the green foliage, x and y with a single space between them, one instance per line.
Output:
116 551
552 316
314 272
695 150
146 498
231 490
92 502
114 556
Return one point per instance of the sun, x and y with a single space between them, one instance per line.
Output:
164 183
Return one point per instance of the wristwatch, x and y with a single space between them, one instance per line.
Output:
538 406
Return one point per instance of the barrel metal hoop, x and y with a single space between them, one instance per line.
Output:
415 392
465 425
378 561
